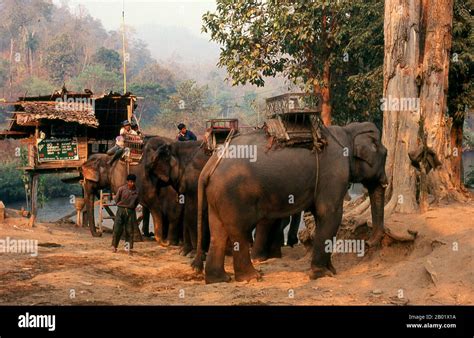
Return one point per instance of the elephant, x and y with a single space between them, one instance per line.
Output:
269 245
179 164
161 201
242 194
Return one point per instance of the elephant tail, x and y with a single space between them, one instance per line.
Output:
198 261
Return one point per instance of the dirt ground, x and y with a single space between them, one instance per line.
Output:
82 270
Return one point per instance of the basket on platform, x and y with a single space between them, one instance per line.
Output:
135 144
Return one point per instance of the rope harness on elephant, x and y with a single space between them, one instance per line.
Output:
226 146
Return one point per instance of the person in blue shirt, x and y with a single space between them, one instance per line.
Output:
184 134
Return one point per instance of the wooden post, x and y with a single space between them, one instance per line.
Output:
2 212
101 206
34 177
130 110
79 205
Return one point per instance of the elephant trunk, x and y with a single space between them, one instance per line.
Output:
377 203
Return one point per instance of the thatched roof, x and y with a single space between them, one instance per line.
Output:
30 112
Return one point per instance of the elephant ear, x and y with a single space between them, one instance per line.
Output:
90 170
365 152
366 137
160 164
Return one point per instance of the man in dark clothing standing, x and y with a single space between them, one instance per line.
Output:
126 200
185 135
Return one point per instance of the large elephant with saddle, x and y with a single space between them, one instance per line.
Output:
100 172
282 181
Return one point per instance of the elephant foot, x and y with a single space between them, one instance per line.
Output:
212 278
331 268
375 239
248 276
259 258
96 234
161 241
164 243
319 272
275 254
174 242
198 263
185 250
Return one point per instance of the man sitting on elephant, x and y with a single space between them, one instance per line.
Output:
125 219
119 149
184 134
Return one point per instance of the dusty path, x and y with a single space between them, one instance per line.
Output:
83 270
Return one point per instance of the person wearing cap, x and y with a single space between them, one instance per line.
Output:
184 134
126 200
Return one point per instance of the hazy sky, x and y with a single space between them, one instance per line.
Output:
181 13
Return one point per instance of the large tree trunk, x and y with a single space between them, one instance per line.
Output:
326 94
416 64
400 126
444 183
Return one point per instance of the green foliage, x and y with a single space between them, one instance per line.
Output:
109 58
153 84
468 137
3 72
11 183
187 105
461 88
37 86
469 180
60 59
98 79
357 73
153 95
264 38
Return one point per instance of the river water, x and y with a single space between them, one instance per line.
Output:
56 208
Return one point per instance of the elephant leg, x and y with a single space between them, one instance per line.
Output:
293 231
328 220
243 267
187 245
146 222
259 249
158 226
276 240
190 221
173 234
214 269
174 218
